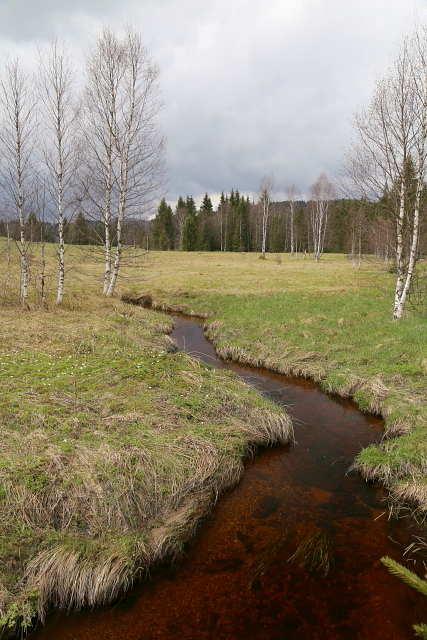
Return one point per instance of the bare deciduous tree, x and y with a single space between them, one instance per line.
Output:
265 197
387 162
127 148
292 196
57 96
104 73
320 195
18 137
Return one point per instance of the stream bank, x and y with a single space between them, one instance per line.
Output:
238 581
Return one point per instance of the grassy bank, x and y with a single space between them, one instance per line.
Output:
324 321
113 445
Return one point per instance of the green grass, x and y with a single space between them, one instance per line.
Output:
94 402
323 321
113 445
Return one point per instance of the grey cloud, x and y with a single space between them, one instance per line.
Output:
248 87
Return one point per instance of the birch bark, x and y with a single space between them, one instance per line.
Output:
265 195
18 135
291 194
126 146
57 95
321 193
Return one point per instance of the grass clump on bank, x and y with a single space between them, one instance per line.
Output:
113 445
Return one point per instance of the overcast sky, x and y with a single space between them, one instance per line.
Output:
250 87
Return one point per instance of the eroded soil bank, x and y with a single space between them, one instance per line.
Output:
237 582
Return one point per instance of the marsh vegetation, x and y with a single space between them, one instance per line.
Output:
124 442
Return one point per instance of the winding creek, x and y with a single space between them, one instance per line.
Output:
237 582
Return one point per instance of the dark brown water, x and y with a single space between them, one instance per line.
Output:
237 582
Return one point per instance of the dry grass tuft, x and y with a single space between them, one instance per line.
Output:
412 491
348 389
399 427
68 578
144 300
378 392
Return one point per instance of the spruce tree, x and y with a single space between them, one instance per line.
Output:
205 226
206 205
240 236
163 227
189 233
190 206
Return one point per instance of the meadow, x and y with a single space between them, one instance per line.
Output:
326 321
114 443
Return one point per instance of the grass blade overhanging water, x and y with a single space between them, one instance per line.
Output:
314 552
267 555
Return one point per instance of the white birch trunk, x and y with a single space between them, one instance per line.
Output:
17 135
265 191
107 217
123 153
60 217
400 267
292 232
56 88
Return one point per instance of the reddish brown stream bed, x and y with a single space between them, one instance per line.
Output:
236 581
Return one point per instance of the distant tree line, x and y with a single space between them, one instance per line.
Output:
80 231
353 227
236 225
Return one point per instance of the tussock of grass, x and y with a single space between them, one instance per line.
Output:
314 552
113 445
69 577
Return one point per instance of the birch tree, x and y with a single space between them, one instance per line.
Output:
387 161
122 103
179 220
57 97
292 196
265 197
357 224
320 195
18 130
104 70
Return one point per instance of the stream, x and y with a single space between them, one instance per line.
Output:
237 581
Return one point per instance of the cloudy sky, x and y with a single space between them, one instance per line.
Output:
250 87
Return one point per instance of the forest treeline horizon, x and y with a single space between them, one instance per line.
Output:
234 226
